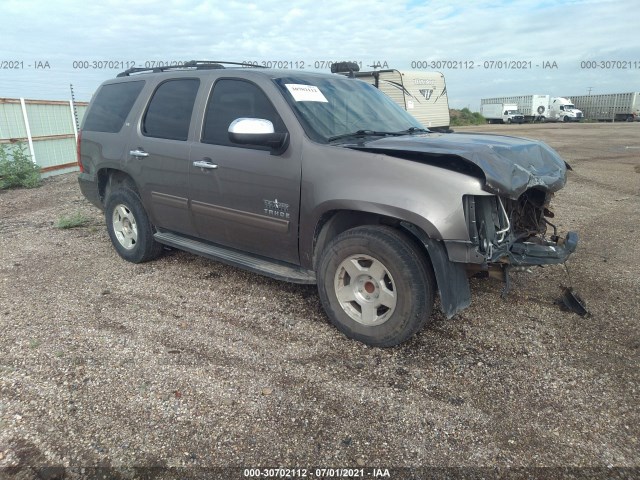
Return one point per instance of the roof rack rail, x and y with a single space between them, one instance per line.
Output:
192 64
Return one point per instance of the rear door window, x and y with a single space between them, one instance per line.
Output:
169 112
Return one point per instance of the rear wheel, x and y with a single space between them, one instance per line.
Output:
129 228
375 285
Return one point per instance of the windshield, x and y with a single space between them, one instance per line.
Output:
569 107
513 112
330 107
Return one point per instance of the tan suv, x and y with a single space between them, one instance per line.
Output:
316 178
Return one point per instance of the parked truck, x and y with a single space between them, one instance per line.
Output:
611 107
541 108
501 113
422 94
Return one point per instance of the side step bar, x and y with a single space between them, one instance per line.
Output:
246 261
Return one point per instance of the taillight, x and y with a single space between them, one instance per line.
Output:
78 154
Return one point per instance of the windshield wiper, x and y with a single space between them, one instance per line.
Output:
364 133
414 130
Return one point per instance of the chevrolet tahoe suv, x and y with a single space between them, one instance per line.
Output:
319 179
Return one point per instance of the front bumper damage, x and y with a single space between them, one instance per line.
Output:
543 252
506 232
454 261
533 253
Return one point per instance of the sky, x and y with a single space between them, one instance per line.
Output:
484 48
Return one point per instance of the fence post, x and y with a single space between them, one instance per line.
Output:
28 128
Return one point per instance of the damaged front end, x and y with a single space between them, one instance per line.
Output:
508 226
507 232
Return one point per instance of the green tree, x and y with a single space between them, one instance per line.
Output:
466 117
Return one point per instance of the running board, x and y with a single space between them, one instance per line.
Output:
246 261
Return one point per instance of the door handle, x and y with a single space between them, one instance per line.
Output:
138 153
205 164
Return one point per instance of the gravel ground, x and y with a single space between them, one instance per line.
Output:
185 362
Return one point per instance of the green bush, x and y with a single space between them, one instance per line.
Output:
466 117
74 220
16 168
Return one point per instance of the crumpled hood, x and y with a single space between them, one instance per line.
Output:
510 165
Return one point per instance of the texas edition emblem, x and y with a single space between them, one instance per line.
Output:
274 208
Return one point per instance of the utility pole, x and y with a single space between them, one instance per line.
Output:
74 110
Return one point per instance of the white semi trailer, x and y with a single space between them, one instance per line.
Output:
611 107
541 108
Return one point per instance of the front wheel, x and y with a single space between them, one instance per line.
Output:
375 285
129 228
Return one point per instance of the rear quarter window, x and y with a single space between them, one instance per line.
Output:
111 106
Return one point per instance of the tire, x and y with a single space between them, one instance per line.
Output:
542 119
129 228
375 285
566 119
509 121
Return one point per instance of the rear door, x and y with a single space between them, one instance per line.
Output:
158 155
242 196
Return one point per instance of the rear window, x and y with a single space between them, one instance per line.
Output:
111 106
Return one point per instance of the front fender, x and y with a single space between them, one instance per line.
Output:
429 197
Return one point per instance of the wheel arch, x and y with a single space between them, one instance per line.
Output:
333 222
450 277
111 178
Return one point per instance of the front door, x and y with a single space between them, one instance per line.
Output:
243 196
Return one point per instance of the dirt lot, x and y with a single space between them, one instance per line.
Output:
185 362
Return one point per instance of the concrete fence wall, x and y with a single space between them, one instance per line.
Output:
47 127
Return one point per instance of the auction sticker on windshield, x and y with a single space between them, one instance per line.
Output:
305 93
